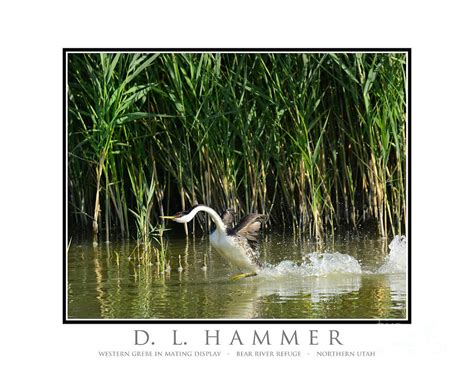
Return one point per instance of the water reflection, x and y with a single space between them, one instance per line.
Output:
104 284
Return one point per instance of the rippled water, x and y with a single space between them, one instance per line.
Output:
347 279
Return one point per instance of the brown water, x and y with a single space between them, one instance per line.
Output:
299 282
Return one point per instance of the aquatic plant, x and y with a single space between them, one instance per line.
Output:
315 140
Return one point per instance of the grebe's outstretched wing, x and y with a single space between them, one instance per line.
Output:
249 227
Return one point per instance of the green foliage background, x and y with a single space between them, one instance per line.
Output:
317 141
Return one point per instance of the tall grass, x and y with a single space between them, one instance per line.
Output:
316 141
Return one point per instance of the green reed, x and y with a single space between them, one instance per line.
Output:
316 141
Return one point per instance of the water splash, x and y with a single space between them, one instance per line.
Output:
316 264
325 264
395 262
321 275
330 263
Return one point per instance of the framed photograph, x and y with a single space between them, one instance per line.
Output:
236 186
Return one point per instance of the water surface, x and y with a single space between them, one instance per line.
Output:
346 279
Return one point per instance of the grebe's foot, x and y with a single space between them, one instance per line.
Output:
242 276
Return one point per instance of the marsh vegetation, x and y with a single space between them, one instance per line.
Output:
317 141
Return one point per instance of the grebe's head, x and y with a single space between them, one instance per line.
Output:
182 217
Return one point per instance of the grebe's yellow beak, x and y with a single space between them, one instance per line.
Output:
168 217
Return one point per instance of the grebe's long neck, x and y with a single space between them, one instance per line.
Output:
212 213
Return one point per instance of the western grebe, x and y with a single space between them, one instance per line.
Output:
239 244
